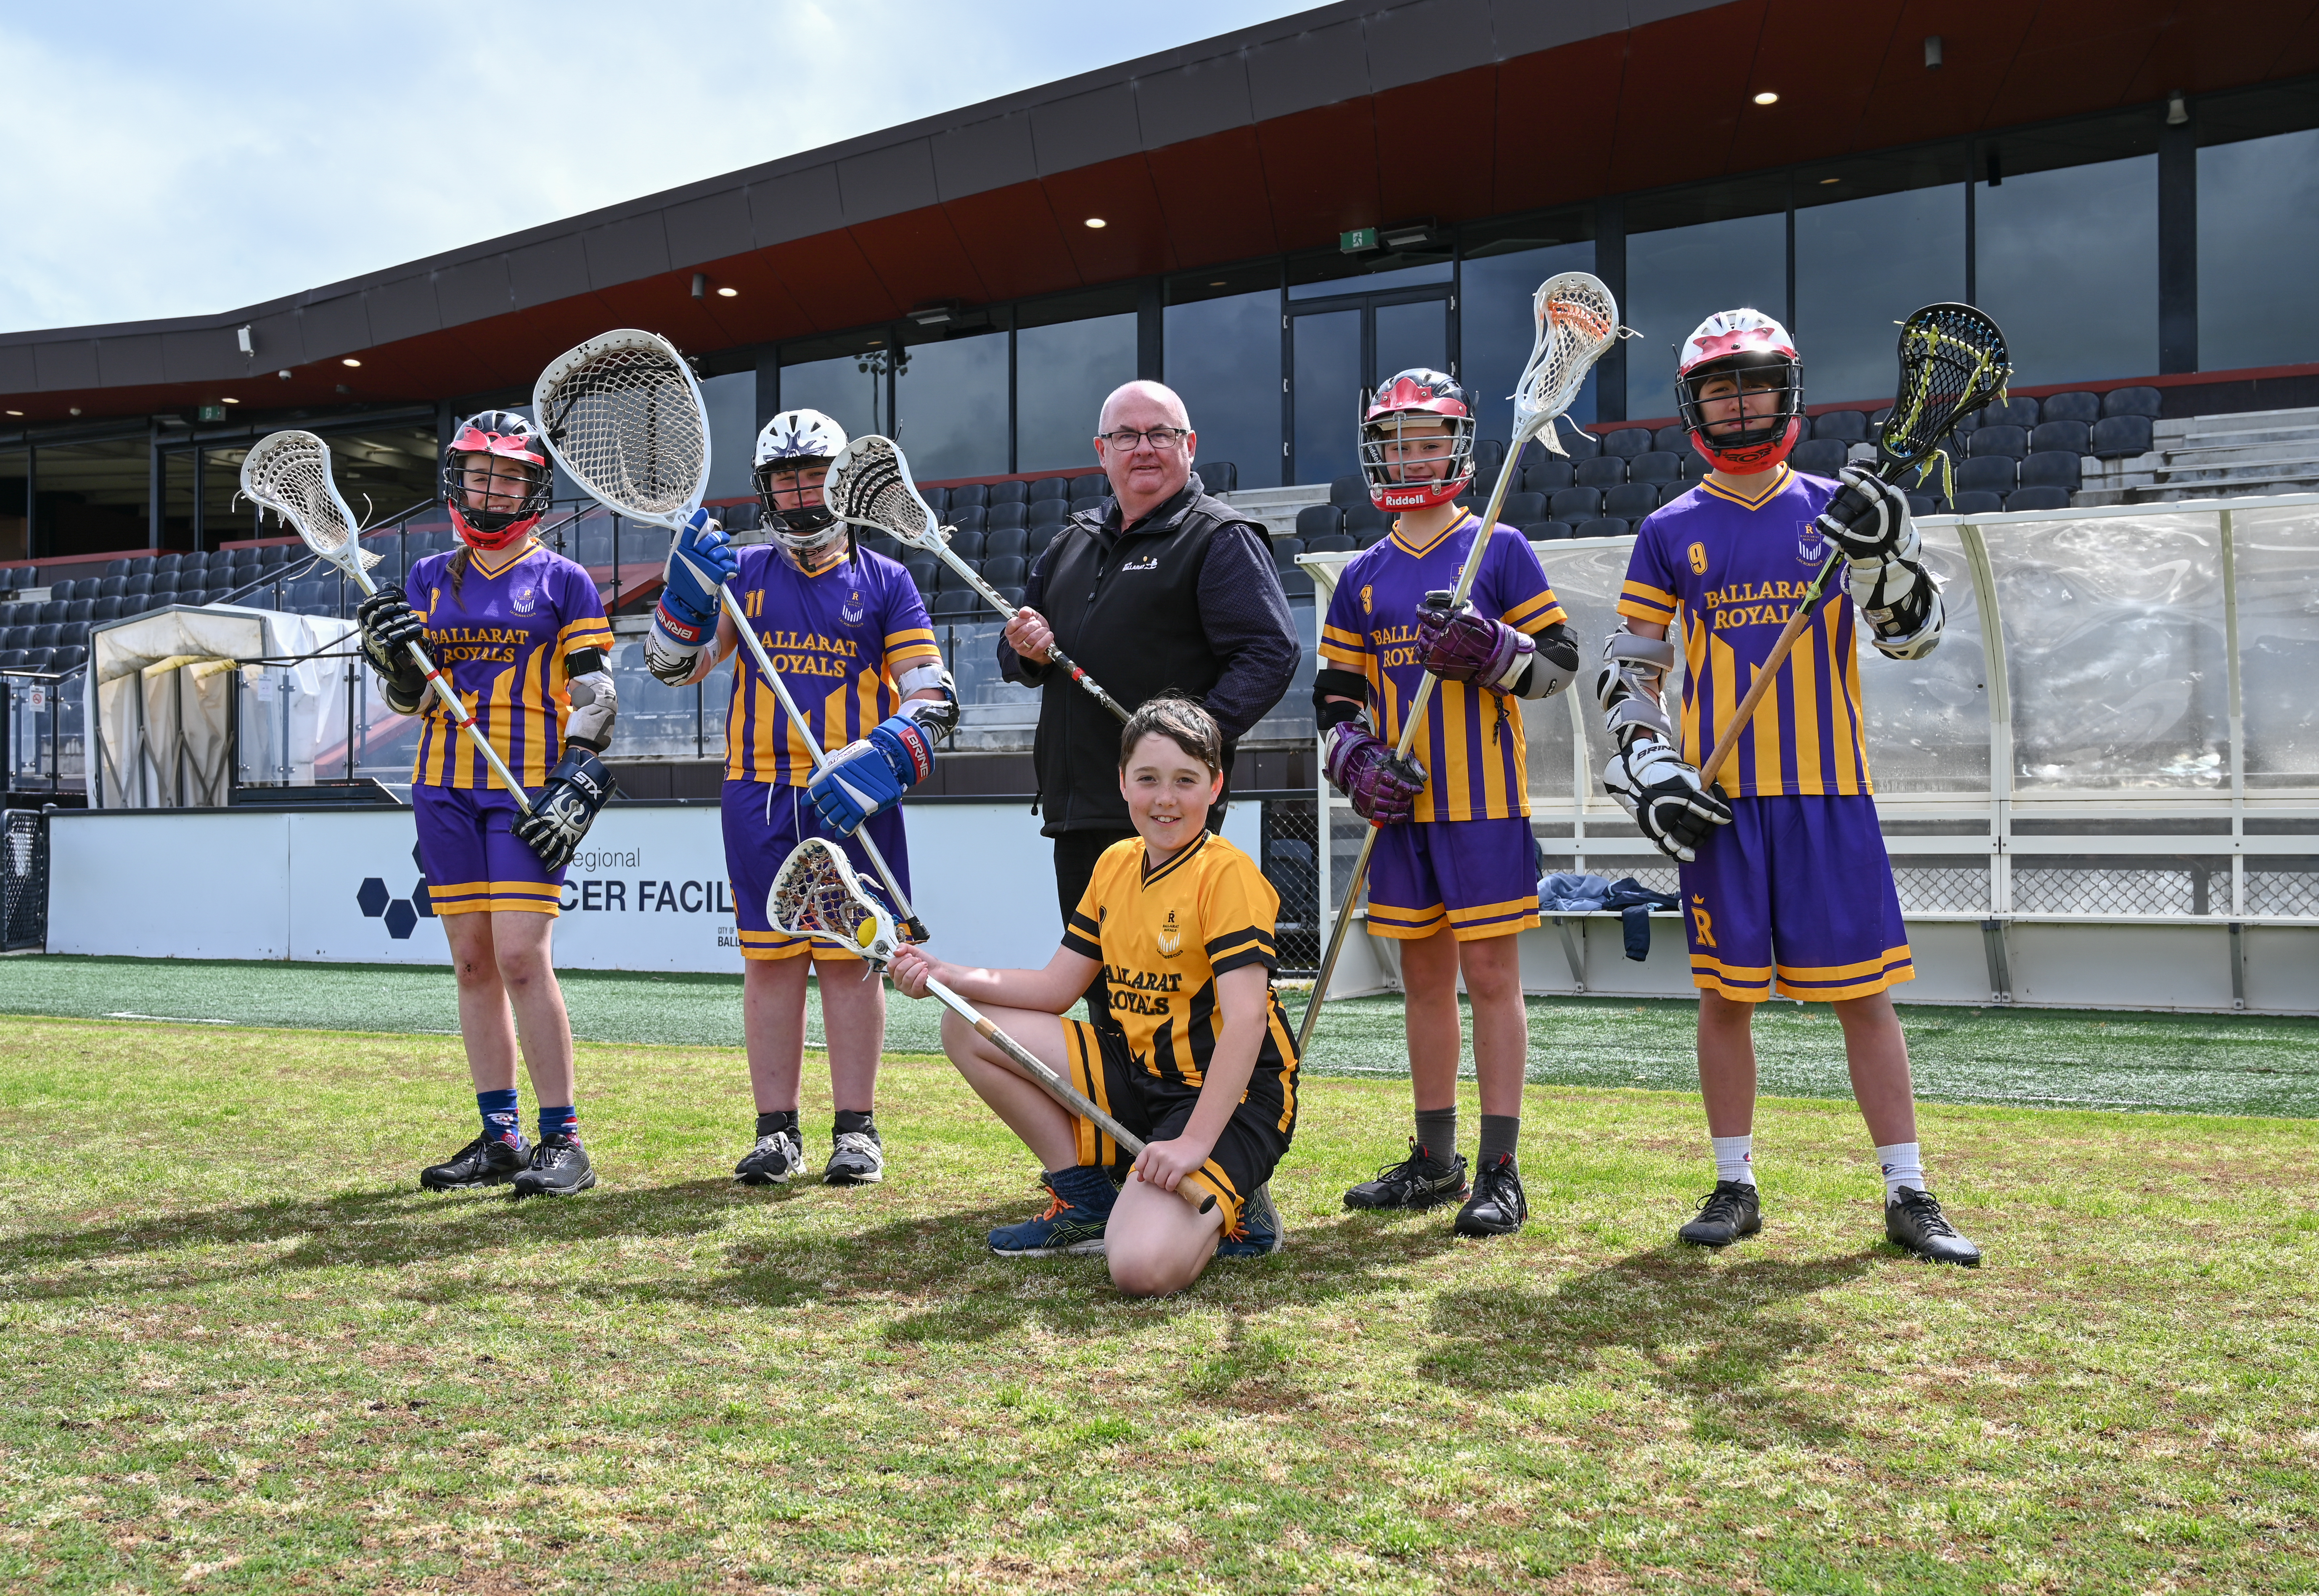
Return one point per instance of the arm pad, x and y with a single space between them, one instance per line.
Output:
1327 684
1627 686
595 701
1553 667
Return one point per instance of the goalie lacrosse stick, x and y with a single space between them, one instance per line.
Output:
817 894
1577 320
623 415
869 485
289 473
1953 361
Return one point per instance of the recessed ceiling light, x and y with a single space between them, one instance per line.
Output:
1097 222
728 293
16 412
229 402
1219 282
1825 181
1767 98
349 360
76 409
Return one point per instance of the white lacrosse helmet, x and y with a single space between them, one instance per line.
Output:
798 441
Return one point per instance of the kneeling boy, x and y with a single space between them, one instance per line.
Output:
1202 1062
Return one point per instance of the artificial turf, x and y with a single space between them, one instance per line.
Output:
2209 1064
243 1353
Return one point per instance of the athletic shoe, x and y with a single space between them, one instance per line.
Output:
773 1162
559 1168
1913 1219
1259 1225
1419 1181
1068 1226
856 1159
1732 1210
1498 1205
485 1161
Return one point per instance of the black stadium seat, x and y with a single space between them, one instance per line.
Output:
1575 505
2131 402
975 493
1818 456
1845 426
1348 492
1580 444
2069 437
1089 506
1602 527
948 577
957 604
1546 476
1039 538
1008 493
1548 531
1048 512
2039 498
1631 501
966 517
2020 412
1603 471
1222 476
1050 487
967 545
1670 491
2053 468
1999 437
1366 524
1328 543
1520 507
922 569
1006 571
1670 440
2121 438
1285 551
1000 517
1977 503
1489 459
1091 484
1988 473
1319 520
998 546
1660 466
1627 442
2073 407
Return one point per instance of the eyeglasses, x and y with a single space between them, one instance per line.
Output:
1162 439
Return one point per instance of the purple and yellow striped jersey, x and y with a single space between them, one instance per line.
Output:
502 633
1471 743
1734 567
840 640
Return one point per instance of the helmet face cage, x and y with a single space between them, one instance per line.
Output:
1755 352
1388 438
516 469
791 442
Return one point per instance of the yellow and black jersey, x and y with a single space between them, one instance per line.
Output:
1163 936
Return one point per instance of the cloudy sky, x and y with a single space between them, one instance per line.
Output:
176 160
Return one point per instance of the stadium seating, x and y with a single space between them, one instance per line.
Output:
1575 505
1670 491
1999 437
977 494
1039 538
1991 473
2011 412
2038 498
1549 475
1580 444
1603 471
948 577
1050 487
2131 402
1631 501
2121 438
2083 408
1818 456
1660 466
1366 524
968 545
998 546
1349 491
1006 571
1297 583
1048 512
1092 484
2053 468
1979 503
2073 437
1670 440
1520 507
1006 493
957 604
1547 531
1846 426
966 517
1329 543
1602 526
1285 551
1321 520
1091 506
1627 442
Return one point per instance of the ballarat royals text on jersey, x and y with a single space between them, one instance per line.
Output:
1471 744
840 641
501 634
1734 567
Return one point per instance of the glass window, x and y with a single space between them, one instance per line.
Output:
13 526
1874 239
1223 355
177 500
381 474
93 497
1325 276
1064 371
2258 235
950 406
732 401
1679 277
2065 240
1495 324
1415 333
1328 391
849 389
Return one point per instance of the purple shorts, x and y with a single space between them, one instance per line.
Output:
471 858
1796 893
1479 878
763 824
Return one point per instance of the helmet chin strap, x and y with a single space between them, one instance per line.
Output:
1752 459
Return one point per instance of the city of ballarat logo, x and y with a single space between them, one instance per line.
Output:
852 613
1171 937
402 915
524 599
1811 547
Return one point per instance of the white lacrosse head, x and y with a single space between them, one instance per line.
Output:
624 418
868 484
1577 320
289 473
817 894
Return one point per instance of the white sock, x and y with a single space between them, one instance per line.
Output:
1735 1158
1904 1165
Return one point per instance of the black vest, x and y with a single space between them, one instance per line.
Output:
1126 606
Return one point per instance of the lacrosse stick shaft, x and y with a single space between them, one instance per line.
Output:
1010 612
910 920
1036 1068
1527 429
461 716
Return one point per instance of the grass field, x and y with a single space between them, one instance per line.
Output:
244 1353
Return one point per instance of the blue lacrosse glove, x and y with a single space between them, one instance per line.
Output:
701 562
869 776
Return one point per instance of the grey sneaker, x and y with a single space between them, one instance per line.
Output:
773 1162
856 1159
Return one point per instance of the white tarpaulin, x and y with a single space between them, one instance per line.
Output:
157 698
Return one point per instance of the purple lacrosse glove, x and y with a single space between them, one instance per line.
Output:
1384 788
1462 645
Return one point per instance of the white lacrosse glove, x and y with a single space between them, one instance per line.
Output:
1885 573
1663 794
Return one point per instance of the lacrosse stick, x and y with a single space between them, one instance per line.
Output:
869 485
1577 323
289 473
817 894
624 418
1953 361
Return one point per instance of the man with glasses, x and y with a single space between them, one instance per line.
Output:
1167 589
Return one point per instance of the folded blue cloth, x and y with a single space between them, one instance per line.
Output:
1566 892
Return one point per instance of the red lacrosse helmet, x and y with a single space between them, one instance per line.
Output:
519 469
1391 446
1757 351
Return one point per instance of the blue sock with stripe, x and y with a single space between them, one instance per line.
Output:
559 1121
503 1121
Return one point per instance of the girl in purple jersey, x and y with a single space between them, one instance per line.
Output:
846 629
1454 875
1786 884
520 634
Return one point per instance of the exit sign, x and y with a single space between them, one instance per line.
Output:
209 412
1357 240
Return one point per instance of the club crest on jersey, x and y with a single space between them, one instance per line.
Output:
852 613
1811 547
1171 937
524 600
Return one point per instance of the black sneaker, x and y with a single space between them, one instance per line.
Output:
1732 1210
1419 1181
856 1159
773 1162
485 1161
1498 1205
559 1168
1913 1219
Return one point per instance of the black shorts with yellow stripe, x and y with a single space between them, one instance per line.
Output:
1251 1143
